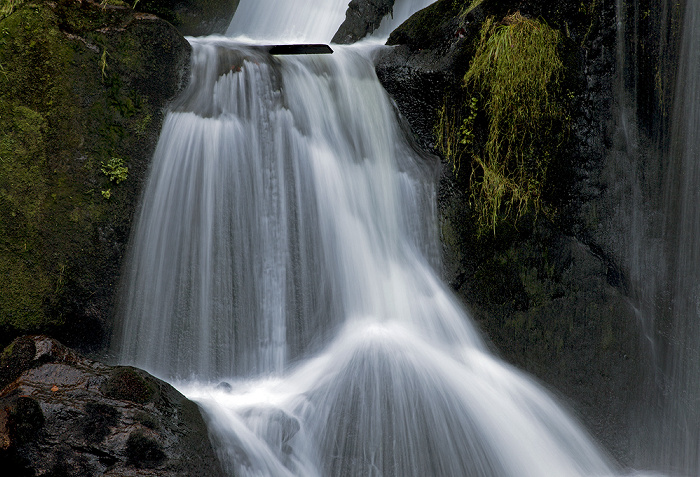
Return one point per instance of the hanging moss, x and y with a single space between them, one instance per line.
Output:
515 80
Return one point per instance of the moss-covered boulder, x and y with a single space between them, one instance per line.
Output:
82 91
63 414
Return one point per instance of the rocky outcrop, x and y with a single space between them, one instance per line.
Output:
192 17
549 291
361 19
63 414
83 86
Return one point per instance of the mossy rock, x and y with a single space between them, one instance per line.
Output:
130 384
80 84
98 420
143 452
16 358
24 418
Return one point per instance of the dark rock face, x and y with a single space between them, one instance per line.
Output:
193 17
62 414
550 294
82 92
361 19
429 56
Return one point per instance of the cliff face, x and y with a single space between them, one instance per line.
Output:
549 285
82 91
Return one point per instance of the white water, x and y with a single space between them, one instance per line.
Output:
309 21
287 244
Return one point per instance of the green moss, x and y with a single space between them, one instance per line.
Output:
15 359
31 122
80 85
45 215
24 419
515 79
98 420
143 452
128 384
8 6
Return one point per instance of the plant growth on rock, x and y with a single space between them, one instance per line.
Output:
82 90
515 77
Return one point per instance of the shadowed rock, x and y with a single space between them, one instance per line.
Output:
63 414
361 19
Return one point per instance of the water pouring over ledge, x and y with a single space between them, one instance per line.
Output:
287 247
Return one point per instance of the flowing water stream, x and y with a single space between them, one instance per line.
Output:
678 435
283 274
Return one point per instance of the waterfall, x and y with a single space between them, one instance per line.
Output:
679 434
283 274
659 219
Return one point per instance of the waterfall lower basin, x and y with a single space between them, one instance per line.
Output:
380 400
283 273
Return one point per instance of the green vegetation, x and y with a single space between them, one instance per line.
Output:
115 170
516 75
103 63
69 124
7 7
472 5
35 107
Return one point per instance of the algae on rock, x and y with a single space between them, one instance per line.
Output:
81 83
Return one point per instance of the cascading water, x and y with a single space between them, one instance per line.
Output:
287 245
678 429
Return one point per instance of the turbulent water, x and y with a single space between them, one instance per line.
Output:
283 273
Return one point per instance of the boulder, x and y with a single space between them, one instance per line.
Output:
62 414
361 19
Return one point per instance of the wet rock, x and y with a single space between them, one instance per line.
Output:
361 19
63 414
430 54
193 17
83 84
